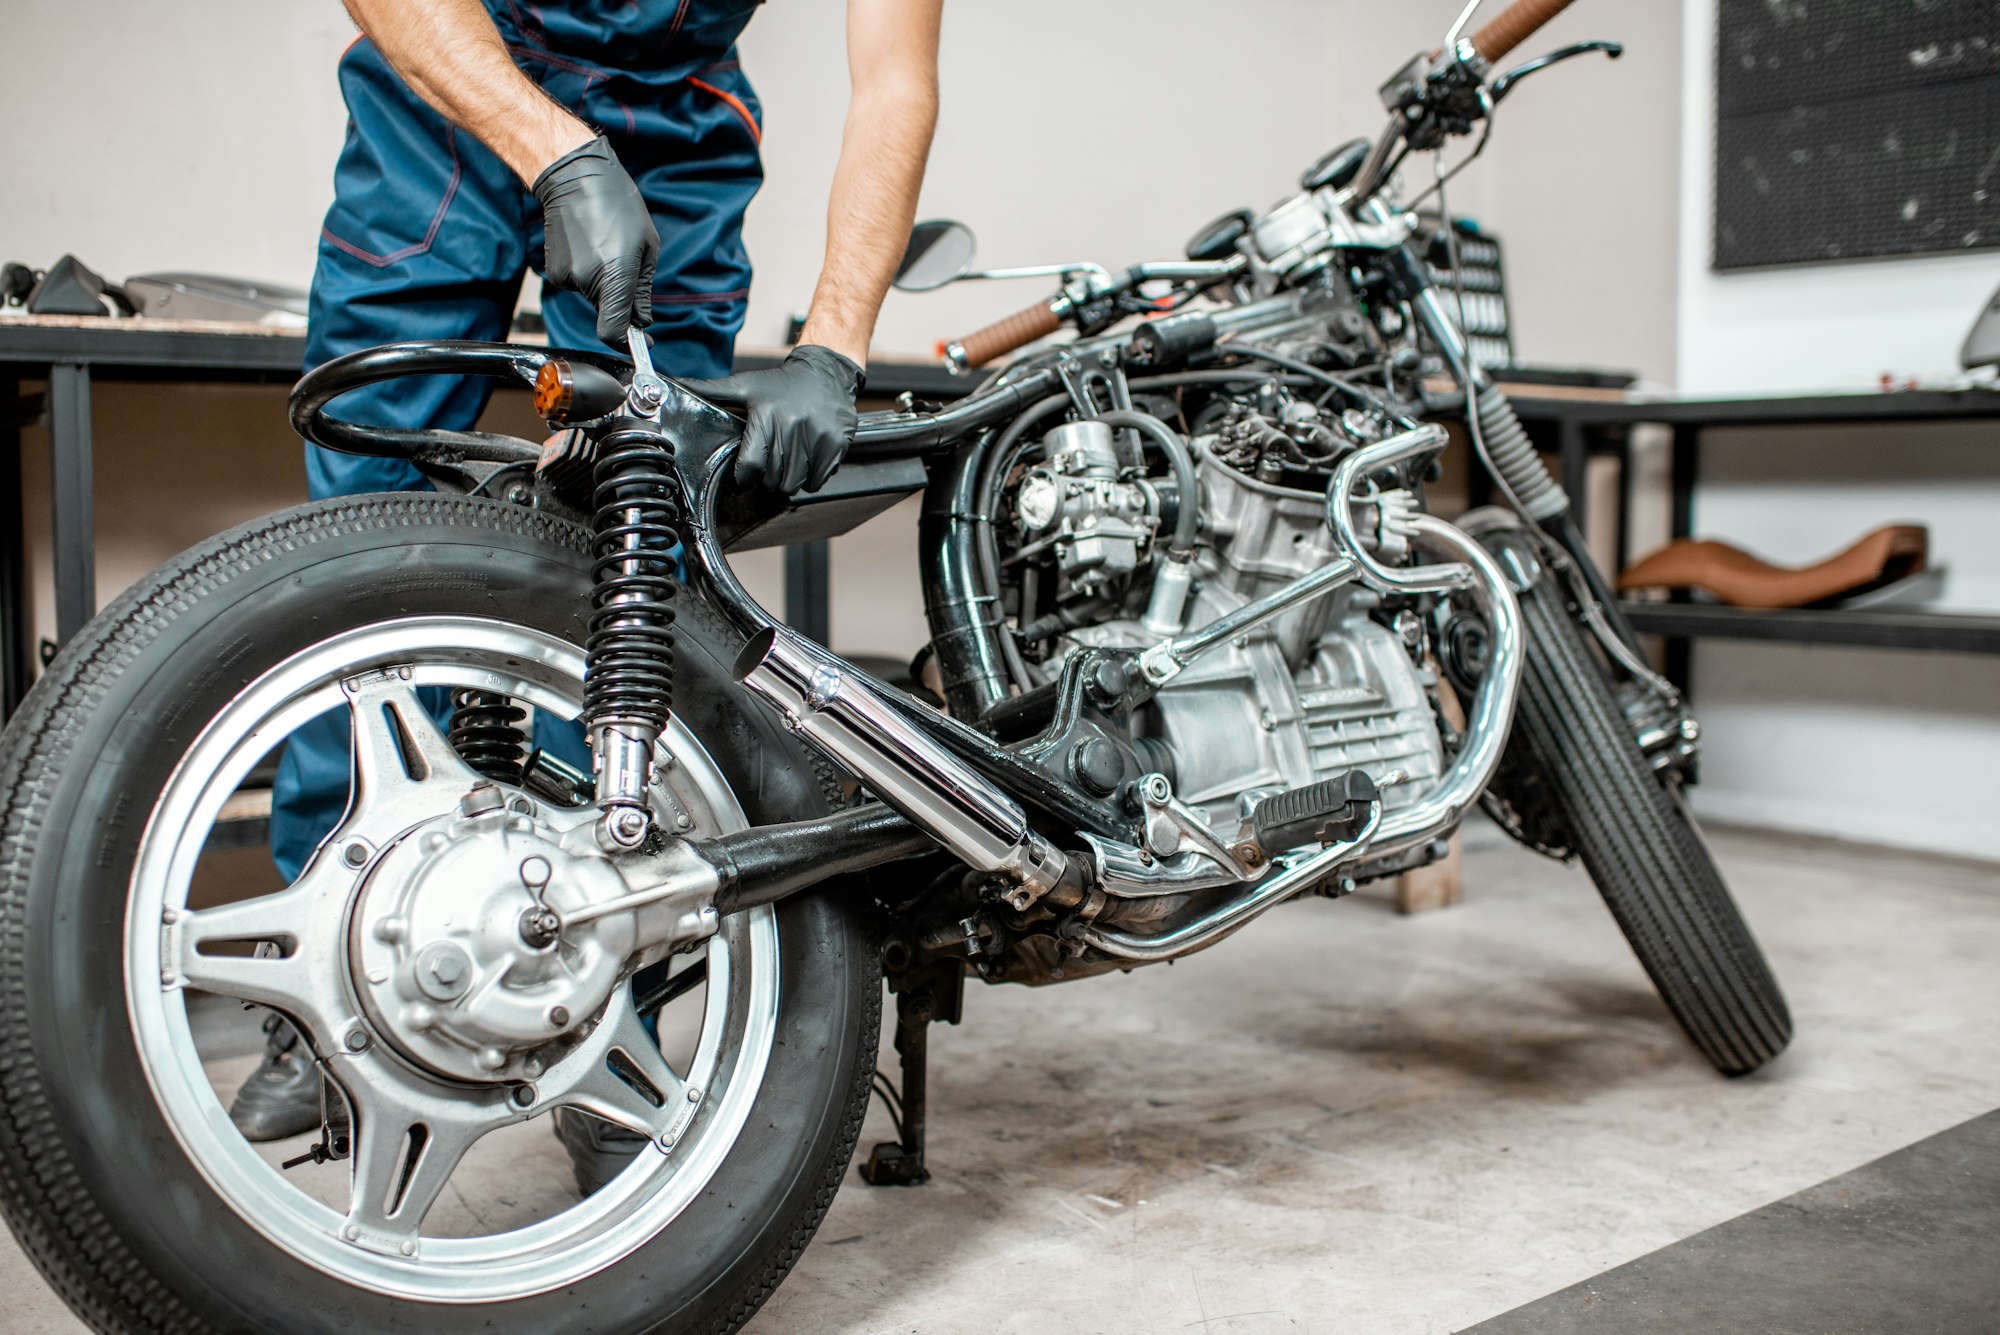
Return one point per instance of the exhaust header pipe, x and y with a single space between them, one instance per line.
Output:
828 703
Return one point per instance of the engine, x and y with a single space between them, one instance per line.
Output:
1323 689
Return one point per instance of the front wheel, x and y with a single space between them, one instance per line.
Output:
1641 847
745 1060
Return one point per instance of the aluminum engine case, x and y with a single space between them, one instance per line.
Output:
1314 693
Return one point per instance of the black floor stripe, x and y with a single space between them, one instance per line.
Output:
1908 1244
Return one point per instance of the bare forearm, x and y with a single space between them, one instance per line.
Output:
451 55
890 118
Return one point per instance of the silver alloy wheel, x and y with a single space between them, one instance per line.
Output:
411 1128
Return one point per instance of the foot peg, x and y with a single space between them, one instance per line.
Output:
1330 811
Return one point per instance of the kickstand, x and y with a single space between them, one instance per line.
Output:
933 994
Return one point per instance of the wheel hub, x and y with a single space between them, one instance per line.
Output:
458 949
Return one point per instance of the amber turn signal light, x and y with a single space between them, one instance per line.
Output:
555 390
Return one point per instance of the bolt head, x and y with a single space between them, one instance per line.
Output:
540 927
693 1095
443 972
480 799
355 854
408 1248
558 1016
357 1039
524 1096
625 827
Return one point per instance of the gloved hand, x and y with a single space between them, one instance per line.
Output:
600 239
801 417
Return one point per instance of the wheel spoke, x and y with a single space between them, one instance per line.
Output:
399 751
270 943
400 1168
629 1081
408 1140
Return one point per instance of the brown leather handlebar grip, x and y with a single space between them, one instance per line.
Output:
1515 25
1003 336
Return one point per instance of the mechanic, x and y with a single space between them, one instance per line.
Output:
612 146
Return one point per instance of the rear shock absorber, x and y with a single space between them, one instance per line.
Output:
628 685
486 733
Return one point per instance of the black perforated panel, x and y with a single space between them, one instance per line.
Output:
1854 128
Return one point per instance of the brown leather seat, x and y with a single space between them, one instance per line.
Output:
1890 553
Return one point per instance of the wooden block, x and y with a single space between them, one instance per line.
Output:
1437 886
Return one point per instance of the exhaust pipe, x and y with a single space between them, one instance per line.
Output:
828 703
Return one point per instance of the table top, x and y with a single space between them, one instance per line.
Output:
192 349
1766 410
141 347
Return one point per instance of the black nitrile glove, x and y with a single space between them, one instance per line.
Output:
801 417
600 239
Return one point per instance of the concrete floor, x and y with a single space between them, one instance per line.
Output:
1344 1120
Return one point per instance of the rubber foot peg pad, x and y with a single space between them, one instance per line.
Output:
1319 813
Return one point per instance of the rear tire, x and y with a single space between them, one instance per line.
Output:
1642 848
93 1180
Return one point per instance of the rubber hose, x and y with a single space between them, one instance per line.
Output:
1180 460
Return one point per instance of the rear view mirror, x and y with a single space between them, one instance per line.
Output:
939 251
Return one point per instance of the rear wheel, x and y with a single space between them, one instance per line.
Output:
746 1060
1641 846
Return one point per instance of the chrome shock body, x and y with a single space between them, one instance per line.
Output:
628 691
636 521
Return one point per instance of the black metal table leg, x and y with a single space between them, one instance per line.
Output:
74 538
808 592
1684 464
1622 545
1575 460
16 632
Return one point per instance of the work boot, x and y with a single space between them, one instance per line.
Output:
598 1150
281 1098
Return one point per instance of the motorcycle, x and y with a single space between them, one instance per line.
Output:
1198 649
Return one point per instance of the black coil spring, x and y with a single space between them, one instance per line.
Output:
636 517
486 732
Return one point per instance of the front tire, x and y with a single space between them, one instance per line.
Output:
1641 847
95 1177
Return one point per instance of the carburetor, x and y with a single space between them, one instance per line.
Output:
1079 500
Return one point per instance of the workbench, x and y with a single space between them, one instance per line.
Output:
67 354
1576 428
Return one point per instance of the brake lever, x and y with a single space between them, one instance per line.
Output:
1501 86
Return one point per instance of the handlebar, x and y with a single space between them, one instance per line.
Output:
1003 336
1515 25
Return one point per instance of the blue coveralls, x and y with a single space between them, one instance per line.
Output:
430 236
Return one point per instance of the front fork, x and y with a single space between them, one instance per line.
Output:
1660 716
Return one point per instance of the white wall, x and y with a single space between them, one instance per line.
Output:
204 138
1862 744
1815 326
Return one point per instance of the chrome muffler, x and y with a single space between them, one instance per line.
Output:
823 700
